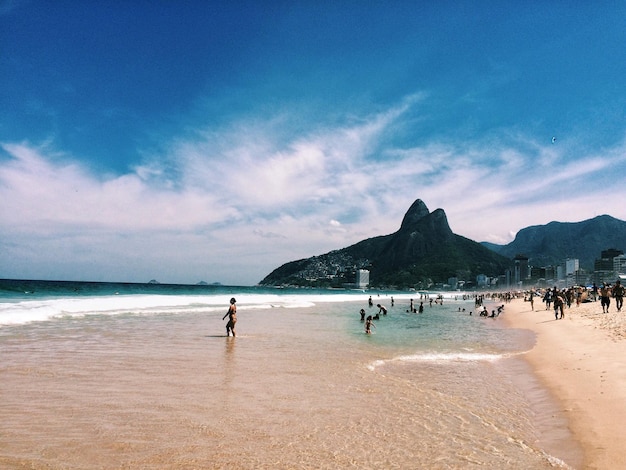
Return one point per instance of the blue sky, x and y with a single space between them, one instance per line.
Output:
199 140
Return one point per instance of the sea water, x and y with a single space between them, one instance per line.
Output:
143 376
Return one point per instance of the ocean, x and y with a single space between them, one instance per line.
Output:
113 375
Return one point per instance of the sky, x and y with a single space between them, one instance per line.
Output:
214 141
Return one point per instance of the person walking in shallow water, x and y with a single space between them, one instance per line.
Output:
369 324
232 317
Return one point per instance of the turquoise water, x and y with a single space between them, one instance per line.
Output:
145 377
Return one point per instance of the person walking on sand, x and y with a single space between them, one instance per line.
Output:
369 324
548 299
605 297
232 317
618 293
558 305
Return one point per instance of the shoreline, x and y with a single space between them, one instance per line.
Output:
581 361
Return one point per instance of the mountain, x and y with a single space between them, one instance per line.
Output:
551 244
424 250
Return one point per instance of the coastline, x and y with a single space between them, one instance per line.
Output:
581 360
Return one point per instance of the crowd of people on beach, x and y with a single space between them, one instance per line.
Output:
559 299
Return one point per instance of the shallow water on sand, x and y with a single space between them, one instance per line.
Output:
297 388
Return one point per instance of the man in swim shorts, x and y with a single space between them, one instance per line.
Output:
232 317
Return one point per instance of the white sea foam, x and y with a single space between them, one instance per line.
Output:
46 309
28 311
440 357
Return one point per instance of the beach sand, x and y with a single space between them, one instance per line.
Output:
582 360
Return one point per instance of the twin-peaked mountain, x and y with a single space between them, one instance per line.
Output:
424 250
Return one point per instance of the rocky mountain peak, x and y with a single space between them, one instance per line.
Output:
416 212
423 248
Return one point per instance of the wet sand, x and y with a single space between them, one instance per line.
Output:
294 390
582 360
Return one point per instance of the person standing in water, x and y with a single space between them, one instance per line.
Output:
232 317
369 324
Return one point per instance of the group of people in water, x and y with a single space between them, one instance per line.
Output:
555 297
485 313
369 321
382 310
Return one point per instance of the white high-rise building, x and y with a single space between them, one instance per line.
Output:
619 264
362 278
571 266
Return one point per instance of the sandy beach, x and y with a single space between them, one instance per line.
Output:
581 360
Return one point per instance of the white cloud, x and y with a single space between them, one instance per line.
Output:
231 206
46 191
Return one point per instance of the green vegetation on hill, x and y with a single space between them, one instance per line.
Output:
551 244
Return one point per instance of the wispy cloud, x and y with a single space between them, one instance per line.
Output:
232 205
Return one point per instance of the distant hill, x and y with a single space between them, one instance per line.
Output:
551 244
423 251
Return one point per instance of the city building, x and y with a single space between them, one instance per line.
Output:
604 267
571 266
521 269
619 264
362 278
